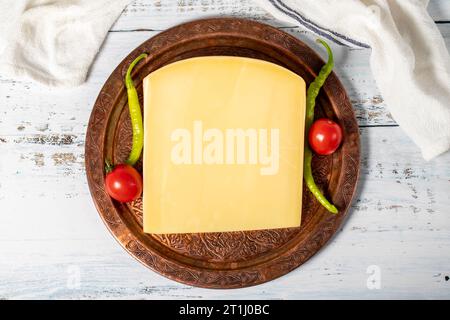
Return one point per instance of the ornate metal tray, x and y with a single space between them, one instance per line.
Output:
231 259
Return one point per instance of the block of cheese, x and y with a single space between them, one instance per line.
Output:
223 146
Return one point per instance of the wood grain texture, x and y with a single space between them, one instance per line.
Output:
160 14
399 222
51 233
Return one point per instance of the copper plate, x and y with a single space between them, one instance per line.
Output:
229 259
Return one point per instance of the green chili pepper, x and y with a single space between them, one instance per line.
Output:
311 95
135 114
314 87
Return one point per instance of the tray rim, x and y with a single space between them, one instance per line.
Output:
189 275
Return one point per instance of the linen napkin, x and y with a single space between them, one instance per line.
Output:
409 60
53 41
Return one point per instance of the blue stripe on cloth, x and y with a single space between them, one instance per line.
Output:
278 4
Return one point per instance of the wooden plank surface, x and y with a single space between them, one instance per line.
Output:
399 222
51 235
162 14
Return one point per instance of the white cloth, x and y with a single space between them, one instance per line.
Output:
53 41
409 60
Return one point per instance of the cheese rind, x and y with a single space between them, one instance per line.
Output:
198 175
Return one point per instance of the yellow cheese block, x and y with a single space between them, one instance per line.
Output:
223 146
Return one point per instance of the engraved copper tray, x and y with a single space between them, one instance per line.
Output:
230 259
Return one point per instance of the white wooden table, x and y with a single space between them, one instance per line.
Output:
54 245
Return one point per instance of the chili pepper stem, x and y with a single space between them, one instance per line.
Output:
108 166
128 80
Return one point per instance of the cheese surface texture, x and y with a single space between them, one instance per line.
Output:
223 146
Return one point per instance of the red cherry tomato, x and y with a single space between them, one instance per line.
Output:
123 183
325 136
